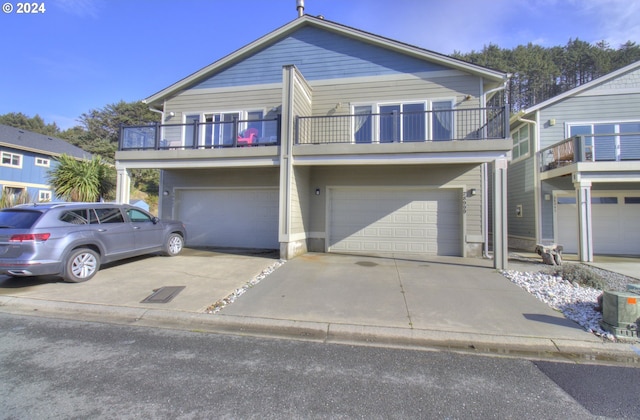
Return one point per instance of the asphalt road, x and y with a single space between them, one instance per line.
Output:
70 369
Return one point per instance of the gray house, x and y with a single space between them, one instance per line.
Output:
320 137
575 174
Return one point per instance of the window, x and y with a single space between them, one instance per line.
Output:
609 141
632 200
138 216
520 142
442 120
401 122
109 215
11 159
44 195
75 217
43 162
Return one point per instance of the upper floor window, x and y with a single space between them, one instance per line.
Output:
611 141
520 142
11 159
403 122
219 128
43 162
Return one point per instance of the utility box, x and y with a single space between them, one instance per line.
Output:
621 313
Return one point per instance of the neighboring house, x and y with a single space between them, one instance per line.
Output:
575 175
320 137
26 158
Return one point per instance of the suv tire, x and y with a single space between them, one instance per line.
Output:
174 245
81 265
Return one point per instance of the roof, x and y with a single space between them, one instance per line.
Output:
602 79
39 143
306 20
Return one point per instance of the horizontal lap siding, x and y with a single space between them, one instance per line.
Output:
586 109
223 100
520 190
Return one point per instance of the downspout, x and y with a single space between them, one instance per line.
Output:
485 181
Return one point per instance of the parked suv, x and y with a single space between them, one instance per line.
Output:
73 239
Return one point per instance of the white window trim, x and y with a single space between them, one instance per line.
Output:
375 109
2 154
528 154
44 162
44 195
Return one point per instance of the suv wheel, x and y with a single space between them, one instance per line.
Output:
174 245
82 265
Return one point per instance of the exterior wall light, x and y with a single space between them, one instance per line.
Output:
317 191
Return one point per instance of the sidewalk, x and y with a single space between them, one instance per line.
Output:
450 303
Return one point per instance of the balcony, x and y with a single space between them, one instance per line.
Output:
616 147
201 135
403 127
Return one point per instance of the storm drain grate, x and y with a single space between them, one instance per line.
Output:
163 295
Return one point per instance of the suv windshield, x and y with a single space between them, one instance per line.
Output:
18 219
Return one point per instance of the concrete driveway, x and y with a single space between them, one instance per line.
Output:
208 275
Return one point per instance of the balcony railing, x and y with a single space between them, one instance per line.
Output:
591 148
404 127
201 135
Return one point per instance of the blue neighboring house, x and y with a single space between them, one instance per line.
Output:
27 157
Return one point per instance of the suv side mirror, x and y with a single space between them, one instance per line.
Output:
155 220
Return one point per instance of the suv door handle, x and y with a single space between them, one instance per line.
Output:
102 230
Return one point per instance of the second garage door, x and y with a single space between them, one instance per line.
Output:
384 220
245 218
615 224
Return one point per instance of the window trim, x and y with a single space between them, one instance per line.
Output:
44 162
46 193
428 117
11 156
520 142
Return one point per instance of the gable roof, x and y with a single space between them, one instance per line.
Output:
579 89
17 138
306 20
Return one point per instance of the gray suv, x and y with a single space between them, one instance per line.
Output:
72 239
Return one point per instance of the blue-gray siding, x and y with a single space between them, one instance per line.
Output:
319 55
520 188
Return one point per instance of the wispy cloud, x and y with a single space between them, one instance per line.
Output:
81 8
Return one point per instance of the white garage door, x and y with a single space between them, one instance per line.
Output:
379 221
230 218
615 220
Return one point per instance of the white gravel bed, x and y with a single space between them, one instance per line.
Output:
576 302
219 305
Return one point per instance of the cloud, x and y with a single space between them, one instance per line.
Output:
81 8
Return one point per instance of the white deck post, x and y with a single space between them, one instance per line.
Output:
123 186
585 235
500 241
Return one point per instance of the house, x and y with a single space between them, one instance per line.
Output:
321 137
575 175
26 159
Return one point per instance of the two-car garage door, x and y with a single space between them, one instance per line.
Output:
375 220
244 218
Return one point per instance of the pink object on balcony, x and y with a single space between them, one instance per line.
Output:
250 136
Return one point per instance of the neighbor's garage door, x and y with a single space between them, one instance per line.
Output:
379 220
615 221
230 218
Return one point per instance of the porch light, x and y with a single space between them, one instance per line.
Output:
317 191
472 192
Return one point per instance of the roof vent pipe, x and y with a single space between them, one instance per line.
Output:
300 7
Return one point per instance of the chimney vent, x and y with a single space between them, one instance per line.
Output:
300 7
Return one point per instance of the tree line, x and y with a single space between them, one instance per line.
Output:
540 73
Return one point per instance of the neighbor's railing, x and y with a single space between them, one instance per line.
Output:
201 135
404 127
613 147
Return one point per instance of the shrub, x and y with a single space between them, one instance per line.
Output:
580 274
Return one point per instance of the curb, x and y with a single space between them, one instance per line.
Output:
323 332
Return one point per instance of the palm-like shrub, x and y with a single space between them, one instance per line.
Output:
82 180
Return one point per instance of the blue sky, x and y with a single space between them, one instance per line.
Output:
84 54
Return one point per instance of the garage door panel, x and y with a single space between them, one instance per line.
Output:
413 221
615 227
230 218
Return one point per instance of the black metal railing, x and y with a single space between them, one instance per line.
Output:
201 135
613 147
404 127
